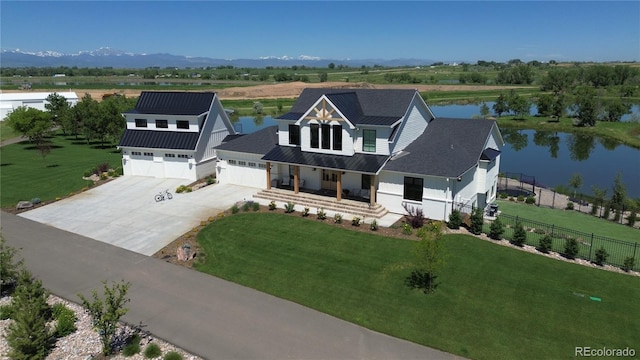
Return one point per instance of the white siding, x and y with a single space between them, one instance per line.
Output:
436 195
242 172
414 124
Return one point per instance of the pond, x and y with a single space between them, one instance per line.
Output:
551 157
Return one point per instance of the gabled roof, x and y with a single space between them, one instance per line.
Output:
175 140
365 163
173 103
259 142
361 106
447 148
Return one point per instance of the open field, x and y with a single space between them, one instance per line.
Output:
493 302
26 175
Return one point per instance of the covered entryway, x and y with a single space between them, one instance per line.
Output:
330 180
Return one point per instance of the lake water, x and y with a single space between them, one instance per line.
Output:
551 157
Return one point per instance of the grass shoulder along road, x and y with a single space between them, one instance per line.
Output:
26 175
492 302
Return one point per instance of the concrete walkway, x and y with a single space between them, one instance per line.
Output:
202 314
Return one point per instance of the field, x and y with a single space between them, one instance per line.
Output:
492 302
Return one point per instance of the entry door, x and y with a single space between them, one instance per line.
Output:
329 180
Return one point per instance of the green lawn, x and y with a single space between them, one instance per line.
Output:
493 302
571 219
6 132
24 174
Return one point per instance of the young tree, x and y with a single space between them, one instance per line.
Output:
32 123
575 182
496 230
614 109
619 195
59 109
28 335
519 105
519 235
477 220
107 313
545 104
484 110
85 113
600 194
500 106
429 258
586 107
9 267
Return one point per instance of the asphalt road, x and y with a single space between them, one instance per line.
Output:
202 314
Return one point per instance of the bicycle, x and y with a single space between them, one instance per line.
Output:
162 195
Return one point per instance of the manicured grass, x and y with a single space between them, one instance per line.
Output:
25 175
6 132
571 219
493 302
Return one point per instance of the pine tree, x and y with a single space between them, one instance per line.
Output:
9 267
519 235
28 336
477 220
496 229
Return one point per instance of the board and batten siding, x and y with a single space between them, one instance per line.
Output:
416 121
436 195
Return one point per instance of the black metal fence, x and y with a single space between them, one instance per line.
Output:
618 251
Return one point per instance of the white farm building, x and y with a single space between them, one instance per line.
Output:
12 101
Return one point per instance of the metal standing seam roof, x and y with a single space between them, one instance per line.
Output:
173 103
365 163
361 106
259 142
173 140
447 148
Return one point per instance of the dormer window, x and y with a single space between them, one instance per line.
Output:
315 135
141 123
182 124
162 124
368 140
294 134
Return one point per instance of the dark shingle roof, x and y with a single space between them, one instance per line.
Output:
447 148
176 140
360 106
259 142
366 163
173 103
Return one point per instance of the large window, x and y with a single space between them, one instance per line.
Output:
294 134
141 122
182 124
412 188
326 136
162 124
337 137
315 136
366 182
368 140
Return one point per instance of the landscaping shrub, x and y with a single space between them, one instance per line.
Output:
569 206
455 219
545 244
152 351
601 256
234 209
571 248
289 207
520 198
519 235
272 205
503 195
182 188
305 212
6 311
66 320
407 229
415 216
172 355
36 201
103 176
246 206
477 220
102 168
496 230
255 206
628 263
210 180
355 221
337 218
530 200
132 347
89 172
374 225
321 214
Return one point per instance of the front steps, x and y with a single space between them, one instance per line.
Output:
312 201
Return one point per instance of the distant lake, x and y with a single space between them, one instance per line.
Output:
551 157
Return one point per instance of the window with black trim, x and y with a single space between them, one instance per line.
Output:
315 136
337 137
148 154
183 156
162 124
141 122
366 182
182 124
326 136
294 134
413 188
368 140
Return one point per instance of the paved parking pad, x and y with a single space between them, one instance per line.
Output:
124 213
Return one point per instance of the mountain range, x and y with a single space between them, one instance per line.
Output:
107 57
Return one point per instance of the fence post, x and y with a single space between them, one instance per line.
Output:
591 247
552 228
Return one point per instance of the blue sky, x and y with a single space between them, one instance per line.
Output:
440 31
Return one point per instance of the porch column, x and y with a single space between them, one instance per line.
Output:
296 179
268 175
372 191
339 186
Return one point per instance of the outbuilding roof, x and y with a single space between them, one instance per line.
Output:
447 148
360 106
173 103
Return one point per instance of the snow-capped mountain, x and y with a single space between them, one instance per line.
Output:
108 57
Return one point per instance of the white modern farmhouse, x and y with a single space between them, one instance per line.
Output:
383 148
37 100
172 135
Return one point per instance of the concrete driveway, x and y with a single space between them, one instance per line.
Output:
124 213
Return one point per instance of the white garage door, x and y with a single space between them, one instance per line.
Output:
175 167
